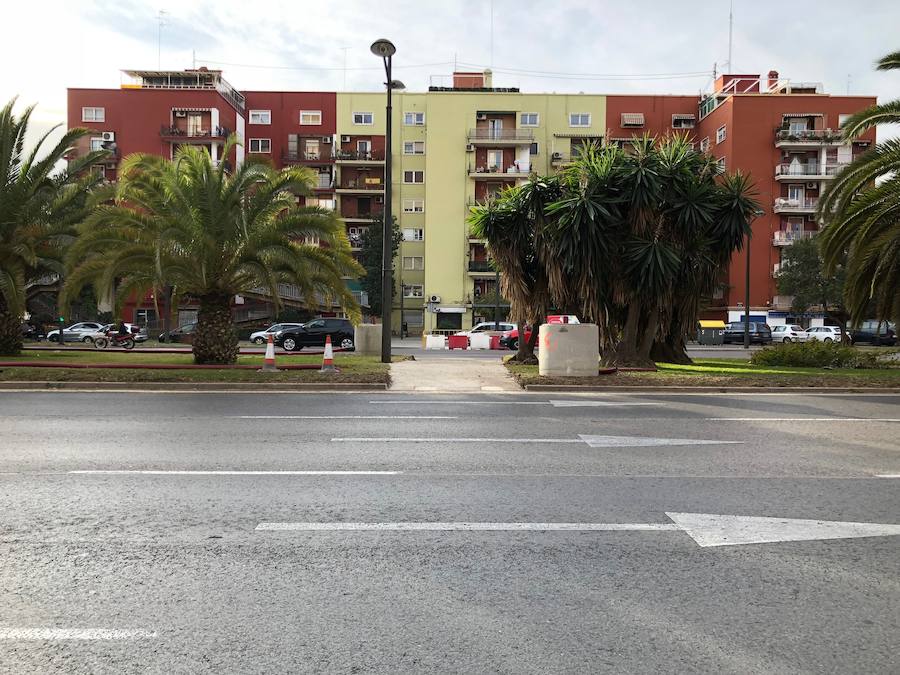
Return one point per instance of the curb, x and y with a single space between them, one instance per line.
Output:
273 387
711 390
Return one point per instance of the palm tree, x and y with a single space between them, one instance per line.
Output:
861 212
211 234
38 206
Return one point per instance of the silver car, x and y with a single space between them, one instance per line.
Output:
77 332
788 333
262 336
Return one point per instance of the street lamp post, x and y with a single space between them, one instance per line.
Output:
386 49
747 298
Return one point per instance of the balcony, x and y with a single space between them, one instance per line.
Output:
783 205
810 171
174 134
361 187
806 138
314 158
497 173
350 157
487 136
776 268
481 267
788 237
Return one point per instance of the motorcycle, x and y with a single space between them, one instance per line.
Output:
117 340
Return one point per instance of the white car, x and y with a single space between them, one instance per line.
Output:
488 328
789 333
262 336
133 329
77 332
824 333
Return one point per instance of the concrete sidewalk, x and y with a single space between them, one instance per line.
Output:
459 374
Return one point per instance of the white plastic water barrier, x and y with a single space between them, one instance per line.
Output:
435 342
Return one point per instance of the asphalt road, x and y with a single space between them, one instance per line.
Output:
173 533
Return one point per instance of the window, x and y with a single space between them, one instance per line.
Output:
413 206
364 149
363 118
260 145
683 121
413 119
413 262
96 144
93 114
632 120
721 163
310 117
529 119
413 291
495 161
704 144
842 119
413 147
260 117
311 148
720 134
579 119
413 176
413 234
533 150
99 170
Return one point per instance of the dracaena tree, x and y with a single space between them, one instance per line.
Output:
39 204
861 212
211 234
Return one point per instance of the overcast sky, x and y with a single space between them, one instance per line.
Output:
597 46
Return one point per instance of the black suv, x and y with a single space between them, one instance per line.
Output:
759 333
312 334
875 332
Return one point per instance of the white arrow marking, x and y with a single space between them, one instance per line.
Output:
592 441
73 634
706 529
709 529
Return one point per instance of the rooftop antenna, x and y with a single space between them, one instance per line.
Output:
730 30
848 84
492 33
161 18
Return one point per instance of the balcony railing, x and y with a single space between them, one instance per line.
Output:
788 237
808 205
294 156
215 132
811 170
480 266
487 135
498 171
358 185
371 156
807 135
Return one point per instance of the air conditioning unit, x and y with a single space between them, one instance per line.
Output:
379 200
108 136
180 113
326 140
470 147
434 298
557 155
810 186
811 218
345 139
481 117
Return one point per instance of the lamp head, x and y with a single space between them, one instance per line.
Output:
383 47
397 84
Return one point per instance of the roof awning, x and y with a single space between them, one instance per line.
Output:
578 135
684 116
803 115
182 108
632 119
623 139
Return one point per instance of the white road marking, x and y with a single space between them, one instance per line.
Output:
888 475
73 634
554 403
597 404
709 529
802 419
592 441
469 527
706 529
154 472
345 417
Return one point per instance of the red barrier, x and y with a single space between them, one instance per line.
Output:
495 342
457 341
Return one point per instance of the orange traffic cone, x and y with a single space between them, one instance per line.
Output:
328 357
269 361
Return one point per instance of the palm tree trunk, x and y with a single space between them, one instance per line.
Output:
215 340
10 330
649 336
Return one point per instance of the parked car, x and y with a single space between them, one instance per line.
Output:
181 334
77 332
760 333
876 333
825 334
788 333
312 334
262 336
510 340
488 328
32 332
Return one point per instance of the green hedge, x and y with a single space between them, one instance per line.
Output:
814 354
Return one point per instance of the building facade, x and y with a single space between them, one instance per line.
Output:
455 146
